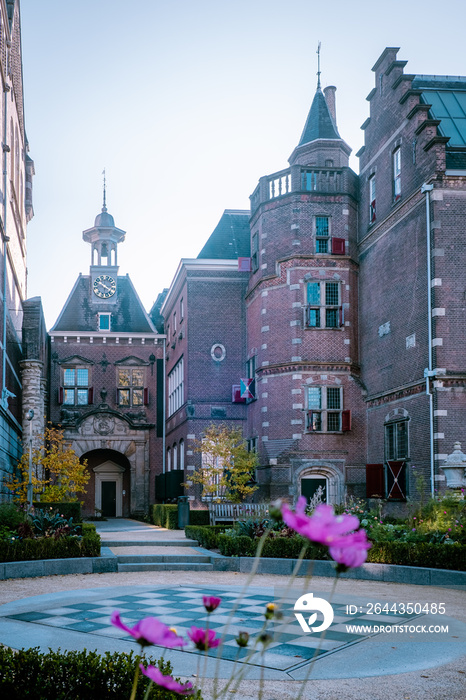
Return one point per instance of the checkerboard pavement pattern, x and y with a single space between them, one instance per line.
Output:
182 607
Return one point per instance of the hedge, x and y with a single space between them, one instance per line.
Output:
166 515
68 510
241 546
277 547
76 675
424 554
199 517
48 548
207 536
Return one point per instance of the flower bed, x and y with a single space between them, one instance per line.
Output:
28 549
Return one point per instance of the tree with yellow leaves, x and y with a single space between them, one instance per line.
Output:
57 474
227 468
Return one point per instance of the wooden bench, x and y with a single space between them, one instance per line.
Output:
229 512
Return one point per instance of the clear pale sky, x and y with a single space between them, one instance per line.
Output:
186 103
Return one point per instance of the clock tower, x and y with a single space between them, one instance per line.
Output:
104 238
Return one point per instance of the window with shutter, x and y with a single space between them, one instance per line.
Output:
75 390
324 410
323 309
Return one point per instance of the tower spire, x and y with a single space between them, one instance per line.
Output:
318 66
104 206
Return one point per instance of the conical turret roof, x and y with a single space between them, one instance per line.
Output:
319 123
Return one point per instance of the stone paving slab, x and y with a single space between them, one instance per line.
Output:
446 681
156 551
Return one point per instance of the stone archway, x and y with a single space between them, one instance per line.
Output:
110 473
109 489
316 469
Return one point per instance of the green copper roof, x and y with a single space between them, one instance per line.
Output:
319 124
447 95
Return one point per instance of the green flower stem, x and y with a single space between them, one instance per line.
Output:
240 676
322 637
136 678
206 650
252 573
146 695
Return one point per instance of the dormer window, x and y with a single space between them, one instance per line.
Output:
104 322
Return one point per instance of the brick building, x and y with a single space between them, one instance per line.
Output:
15 212
345 327
205 325
105 355
411 242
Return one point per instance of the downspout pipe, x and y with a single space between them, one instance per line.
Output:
429 371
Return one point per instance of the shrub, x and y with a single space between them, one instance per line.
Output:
67 510
165 515
290 548
79 675
207 536
49 548
425 554
239 546
11 516
199 517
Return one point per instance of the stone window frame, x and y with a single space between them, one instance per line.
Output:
136 391
394 449
322 239
317 314
75 393
319 415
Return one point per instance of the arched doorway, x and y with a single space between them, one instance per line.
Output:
314 473
109 487
310 485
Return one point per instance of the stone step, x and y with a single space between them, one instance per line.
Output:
165 566
150 543
161 558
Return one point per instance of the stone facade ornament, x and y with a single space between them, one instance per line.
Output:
455 468
104 425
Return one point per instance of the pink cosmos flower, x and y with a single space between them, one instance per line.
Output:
351 551
149 631
211 602
322 526
203 639
166 681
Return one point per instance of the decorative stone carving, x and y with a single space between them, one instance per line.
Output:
455 468
104 425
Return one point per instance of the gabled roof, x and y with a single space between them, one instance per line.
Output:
80 313
447 95
319 123
231 237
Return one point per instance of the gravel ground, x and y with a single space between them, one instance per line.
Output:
446 682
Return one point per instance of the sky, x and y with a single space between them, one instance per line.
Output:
186 103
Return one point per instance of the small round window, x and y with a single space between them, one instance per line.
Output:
218 352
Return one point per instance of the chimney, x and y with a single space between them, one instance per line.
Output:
329 93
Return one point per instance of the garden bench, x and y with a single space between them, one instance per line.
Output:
229 512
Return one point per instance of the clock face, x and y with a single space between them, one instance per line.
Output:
104 286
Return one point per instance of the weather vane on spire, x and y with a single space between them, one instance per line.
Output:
318 65
104 208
